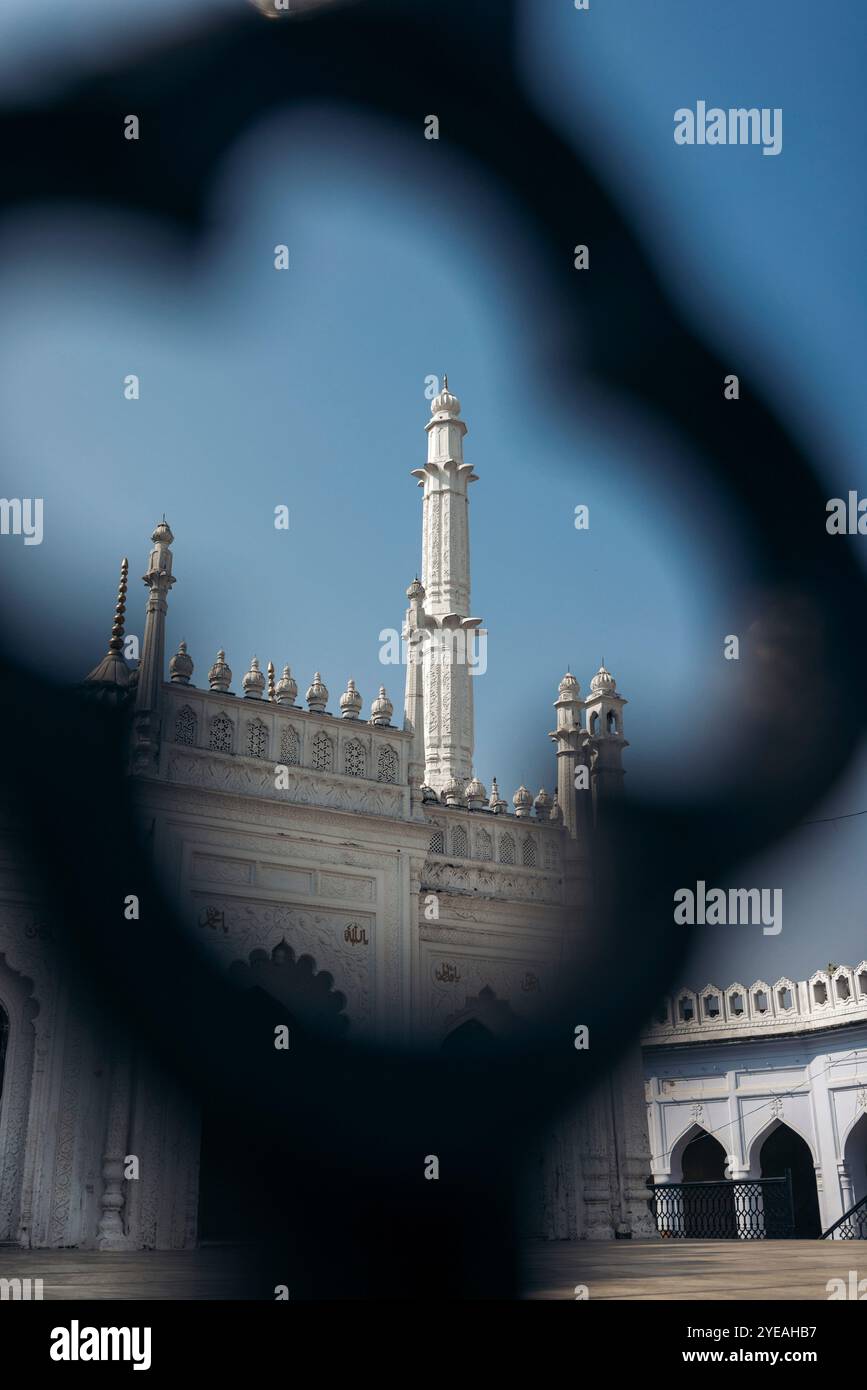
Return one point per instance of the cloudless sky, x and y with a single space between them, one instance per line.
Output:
307 388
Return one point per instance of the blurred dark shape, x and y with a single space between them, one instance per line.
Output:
336 1189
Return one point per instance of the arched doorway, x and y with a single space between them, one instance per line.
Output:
236 1167
470 1039
783 1151
708 1212
704 1160
855 1155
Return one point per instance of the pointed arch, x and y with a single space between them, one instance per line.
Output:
854 1152
496 1016
692 1132
858 1118
754 1148
469 1039
783 1151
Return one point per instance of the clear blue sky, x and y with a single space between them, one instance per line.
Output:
307 388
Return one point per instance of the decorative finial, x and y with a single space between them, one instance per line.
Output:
116 640
287 688
542 804
381 709
445 381
110 680
350 702
272 693
496 802
254 682
475 794
220 674
317 695
181 666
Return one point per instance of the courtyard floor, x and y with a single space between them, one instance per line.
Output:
691 1269
616 1270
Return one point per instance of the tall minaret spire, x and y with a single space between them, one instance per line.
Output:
110 679
448 649
158 580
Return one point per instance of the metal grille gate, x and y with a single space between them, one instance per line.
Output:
751 1209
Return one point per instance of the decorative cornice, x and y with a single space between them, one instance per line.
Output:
829 999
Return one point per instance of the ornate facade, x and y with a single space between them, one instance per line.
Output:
775 1076
365 848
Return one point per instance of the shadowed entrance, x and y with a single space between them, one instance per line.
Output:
784 1149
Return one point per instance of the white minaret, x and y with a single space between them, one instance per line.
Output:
604 707
448 645
570 738
158 580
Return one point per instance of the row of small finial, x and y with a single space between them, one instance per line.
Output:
282 692
474 797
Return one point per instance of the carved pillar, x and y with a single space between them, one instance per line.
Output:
110 1232
847 1190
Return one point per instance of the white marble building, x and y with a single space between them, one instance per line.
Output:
777 1074
366 848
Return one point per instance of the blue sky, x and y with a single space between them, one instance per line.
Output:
307 388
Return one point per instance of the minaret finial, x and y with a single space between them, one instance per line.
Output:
445 381
272 692
109 681
116 642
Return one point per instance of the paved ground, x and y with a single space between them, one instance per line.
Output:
707 1270
213 1272
678 1269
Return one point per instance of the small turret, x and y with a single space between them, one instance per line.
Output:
287 688
317 695
604 710
350 702
220 674
181 666
254 681
381 709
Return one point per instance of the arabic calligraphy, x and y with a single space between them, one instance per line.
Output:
212 917
355 935
447 973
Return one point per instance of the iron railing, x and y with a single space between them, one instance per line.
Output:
751 1209
852 1225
